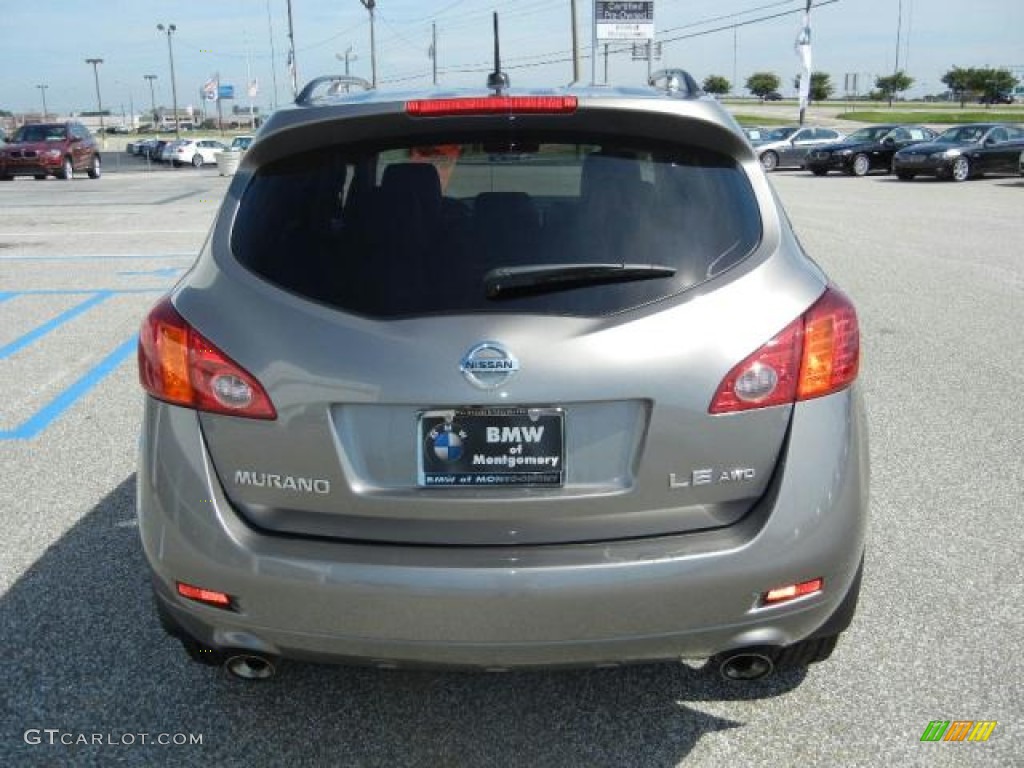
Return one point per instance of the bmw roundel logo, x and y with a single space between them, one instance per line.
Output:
446 441
488 365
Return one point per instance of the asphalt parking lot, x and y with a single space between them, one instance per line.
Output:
937 273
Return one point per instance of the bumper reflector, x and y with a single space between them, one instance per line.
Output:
792 591
208 596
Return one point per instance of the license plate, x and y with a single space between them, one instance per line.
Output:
478 447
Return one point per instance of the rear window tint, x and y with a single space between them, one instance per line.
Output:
415 230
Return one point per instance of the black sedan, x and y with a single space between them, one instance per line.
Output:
866 150
1001 157
952 154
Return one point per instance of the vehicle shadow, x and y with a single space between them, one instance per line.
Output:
85 655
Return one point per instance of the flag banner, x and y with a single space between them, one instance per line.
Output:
803 52
210 89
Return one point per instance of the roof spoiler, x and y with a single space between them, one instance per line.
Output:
675 81
337 82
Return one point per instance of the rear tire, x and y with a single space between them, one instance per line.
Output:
95 171
769 161
197 160
861 165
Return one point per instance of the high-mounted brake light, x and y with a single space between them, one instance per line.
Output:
815 355
492 105
178 365
208 596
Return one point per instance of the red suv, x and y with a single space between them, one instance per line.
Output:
50 149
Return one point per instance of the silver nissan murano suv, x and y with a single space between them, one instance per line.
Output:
496 379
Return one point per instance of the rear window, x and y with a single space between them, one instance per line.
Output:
394 231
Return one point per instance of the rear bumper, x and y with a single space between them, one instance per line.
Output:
689 595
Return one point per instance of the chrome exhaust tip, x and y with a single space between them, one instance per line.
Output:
250 666
746 665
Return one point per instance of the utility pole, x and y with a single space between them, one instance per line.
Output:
293 67
152 96
576 48
273 58
899 30
170 29
370 5
433 49
99 101
42 90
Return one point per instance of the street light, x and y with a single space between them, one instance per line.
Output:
152 98
347 57
42 90
96 76
169 29
370 5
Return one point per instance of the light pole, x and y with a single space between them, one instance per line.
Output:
152 97
96 76
42 90
370 5
347 56
170 29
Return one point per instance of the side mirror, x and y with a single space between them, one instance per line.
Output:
889 141
990 141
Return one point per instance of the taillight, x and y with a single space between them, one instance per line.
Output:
492 105
178 365
815 355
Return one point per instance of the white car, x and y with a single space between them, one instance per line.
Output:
241 143
196 151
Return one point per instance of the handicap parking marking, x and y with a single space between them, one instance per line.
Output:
68 396
49 413
53 324
100 257
164 272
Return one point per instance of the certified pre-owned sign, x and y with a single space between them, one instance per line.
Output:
624 20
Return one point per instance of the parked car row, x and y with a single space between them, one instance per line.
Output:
960 153
194 152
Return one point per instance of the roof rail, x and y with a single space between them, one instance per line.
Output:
305 96
674 81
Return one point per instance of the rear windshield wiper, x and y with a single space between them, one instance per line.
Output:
510 282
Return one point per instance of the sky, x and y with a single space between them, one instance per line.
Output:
46 42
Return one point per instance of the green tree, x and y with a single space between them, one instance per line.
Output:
989 83
716 85
893 84
959 80
762 83
821 86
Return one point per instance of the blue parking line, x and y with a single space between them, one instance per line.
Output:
50 412
102 257
77 291
51 325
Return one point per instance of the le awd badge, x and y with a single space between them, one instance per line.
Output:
711 476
